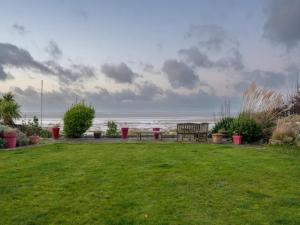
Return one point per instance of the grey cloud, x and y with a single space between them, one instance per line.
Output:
120 73
233 59
282 22
11 55
197 58
62 98
149 68
179 74
53 100
3 74
212 37
53 50
20 29
267 79
145 96
68 75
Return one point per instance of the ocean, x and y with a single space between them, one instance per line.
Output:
144 121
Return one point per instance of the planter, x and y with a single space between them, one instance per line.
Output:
10 139
55 132
156 132
124 132
34 139
97 134
217 138
237 139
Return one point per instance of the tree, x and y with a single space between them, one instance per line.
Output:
9 109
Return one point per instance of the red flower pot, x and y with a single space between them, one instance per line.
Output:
10 139
124 132
156 133
34 140
237 139
55 132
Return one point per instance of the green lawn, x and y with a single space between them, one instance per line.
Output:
150 184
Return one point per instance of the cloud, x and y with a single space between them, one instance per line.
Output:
144 96
20 29
76 72
233 59
149 68
53 100
53 50
197 58
194 56
62 98
11 55
211 37
282 22
267 79
3 74
179 74
120 73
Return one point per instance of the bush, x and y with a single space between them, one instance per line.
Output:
247 127
22 139
44 133
1 143
223 124
78 119
112 130
31 127
286 129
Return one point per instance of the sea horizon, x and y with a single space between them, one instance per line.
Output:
135 120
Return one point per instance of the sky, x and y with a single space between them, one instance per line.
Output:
154 56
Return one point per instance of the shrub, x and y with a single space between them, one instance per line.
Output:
45 133
112 130
223 124
31 128
246 126
286 129
263 105
78 119
22 138
1 143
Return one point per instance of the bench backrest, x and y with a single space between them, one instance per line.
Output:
192 128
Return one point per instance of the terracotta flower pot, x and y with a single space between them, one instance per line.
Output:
124 132
10 139
55 132
156 133
34 139
217 138
237 139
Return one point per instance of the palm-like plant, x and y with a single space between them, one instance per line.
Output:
9 109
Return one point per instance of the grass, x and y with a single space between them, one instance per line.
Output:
150 184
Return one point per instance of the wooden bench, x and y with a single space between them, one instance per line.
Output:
140 134
197 131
